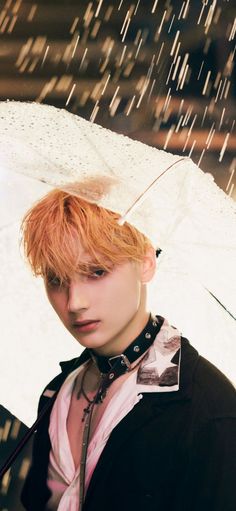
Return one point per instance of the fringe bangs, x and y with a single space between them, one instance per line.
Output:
60 228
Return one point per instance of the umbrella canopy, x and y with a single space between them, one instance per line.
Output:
165 196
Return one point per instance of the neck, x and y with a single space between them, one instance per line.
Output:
123 361
125 336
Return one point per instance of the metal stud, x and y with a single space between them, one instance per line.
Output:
154 323
148 336
111 376
136 349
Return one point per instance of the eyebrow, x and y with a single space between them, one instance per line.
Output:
93 265
88 267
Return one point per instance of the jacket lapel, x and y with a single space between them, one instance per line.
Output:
52 389
140 415
150 406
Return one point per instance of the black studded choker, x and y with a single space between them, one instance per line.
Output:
120 364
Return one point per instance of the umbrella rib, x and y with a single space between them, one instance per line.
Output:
220 303
136 202
98 152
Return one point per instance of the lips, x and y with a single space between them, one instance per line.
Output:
86 322
86 326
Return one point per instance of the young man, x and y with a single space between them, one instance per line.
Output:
139 421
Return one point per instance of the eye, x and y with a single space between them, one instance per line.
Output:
97 273
54 281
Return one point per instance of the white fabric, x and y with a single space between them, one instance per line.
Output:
63 478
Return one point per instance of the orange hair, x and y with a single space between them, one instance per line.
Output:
61 225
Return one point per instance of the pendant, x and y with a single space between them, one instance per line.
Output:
101 395
86 411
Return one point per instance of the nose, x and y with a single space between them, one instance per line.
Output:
78 299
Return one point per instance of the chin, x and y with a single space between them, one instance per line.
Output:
88 342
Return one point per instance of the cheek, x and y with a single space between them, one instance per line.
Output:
124 294
57 301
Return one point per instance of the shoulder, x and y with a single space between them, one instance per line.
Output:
218 391
211 389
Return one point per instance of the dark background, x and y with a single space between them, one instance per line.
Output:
75 54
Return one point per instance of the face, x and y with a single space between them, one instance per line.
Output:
103 311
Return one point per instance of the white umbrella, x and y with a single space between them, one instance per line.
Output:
168 197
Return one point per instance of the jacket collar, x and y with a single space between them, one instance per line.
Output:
68 366
188 360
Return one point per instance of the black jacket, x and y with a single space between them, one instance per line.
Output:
172 451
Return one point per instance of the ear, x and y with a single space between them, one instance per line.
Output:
148 265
